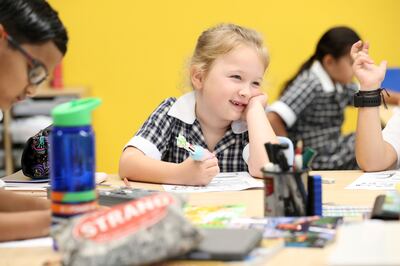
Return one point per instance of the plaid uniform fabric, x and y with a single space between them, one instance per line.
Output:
319 117
162 129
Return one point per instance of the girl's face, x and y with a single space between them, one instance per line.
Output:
340 70
232 80
14 66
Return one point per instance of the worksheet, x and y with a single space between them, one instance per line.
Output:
28 243
386 180
233 181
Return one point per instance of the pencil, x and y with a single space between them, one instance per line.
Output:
126 182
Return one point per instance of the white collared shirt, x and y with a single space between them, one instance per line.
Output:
157 137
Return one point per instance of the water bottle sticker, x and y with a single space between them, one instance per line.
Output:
73 209
72 197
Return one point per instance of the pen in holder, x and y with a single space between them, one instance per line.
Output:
284 190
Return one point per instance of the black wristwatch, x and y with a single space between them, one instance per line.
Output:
368 98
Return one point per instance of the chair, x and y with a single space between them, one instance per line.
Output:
392 79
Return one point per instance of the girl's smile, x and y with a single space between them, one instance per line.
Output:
238 105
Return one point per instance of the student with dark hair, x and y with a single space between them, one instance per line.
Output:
33 41
312 103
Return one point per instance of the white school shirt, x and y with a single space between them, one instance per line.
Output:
391 134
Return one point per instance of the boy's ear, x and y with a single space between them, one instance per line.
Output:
196 78
328 60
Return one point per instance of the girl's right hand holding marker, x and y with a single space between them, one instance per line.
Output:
197 173
368 74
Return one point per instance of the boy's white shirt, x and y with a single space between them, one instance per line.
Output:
286 113
391 133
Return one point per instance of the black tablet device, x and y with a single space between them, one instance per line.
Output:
121 195
225 244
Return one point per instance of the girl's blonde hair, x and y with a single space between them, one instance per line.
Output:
220 40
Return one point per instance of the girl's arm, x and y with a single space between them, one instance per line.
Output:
24 225
136 166
260 132
277 124
372 152
13 202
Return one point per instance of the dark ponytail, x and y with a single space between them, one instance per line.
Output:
336 42
33 22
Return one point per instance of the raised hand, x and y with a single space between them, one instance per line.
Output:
368 74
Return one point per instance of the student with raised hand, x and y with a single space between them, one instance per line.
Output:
33 41
312 104
376 150
224 113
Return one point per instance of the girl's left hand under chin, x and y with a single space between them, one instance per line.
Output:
256 100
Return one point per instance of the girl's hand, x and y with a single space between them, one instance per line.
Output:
198 173
368 74
260 99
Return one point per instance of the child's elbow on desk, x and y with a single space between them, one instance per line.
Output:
255 171
127 162
372 167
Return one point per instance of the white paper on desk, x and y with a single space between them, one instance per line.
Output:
28 243
41 184
371 242
100 177
385 180
26 188
32 185
233 181
22 186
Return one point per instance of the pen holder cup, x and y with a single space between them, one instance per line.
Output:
285 193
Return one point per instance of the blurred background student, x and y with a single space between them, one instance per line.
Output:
312 103
33 41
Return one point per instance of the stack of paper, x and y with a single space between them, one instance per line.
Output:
27 185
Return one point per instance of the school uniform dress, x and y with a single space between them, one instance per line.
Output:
391 134
313 111
157 137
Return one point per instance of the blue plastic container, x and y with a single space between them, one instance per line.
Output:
72 159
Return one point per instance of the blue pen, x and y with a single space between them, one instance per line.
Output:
197 152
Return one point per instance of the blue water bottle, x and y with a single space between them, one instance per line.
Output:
72 159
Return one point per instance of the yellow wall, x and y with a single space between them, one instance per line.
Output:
132 53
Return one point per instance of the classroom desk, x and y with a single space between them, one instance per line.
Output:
332 193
